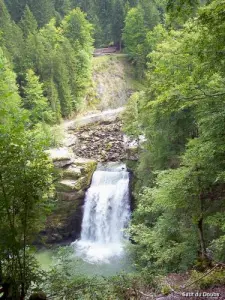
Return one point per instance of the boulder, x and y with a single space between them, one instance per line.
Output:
63 163
60 154
61 157
72 172
67 185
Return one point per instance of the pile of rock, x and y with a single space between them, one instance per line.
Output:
73 177
102 142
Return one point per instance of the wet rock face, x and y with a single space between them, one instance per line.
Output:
102 142
72 180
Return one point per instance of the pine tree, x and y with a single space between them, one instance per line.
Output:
61 78
28 24
53 97
78 30
11 35
16 8
151 13
63 7
43 10
34 100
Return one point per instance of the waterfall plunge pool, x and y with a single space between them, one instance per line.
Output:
102 247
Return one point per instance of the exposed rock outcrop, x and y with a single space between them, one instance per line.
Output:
73 178
102 141
113 82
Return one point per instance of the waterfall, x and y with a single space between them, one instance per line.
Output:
106 215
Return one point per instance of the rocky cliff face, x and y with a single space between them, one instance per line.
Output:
73 177
113 82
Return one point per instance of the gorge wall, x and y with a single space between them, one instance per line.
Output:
72 178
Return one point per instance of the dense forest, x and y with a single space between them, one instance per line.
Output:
179 220
177 48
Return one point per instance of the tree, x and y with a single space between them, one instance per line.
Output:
182 115
180 11
134 31
11 35
53 97
132 113
25 185
16 8
78 30
63 7
61 77
43 10
151 13
28 24
34 99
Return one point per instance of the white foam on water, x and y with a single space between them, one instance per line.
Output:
106 215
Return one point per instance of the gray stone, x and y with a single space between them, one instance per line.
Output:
72 172
60 154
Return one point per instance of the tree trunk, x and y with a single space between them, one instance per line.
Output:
201 239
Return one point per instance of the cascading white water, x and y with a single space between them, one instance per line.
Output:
106 215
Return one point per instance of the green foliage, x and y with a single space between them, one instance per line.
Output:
63 78
215 278
134 30
132 113
78 30
181 171
11 35
28 23
43 10
118 11
179 11
25 187
34 100
141 33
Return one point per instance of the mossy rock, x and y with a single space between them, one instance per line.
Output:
67 185
82 183
89 169
72 173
